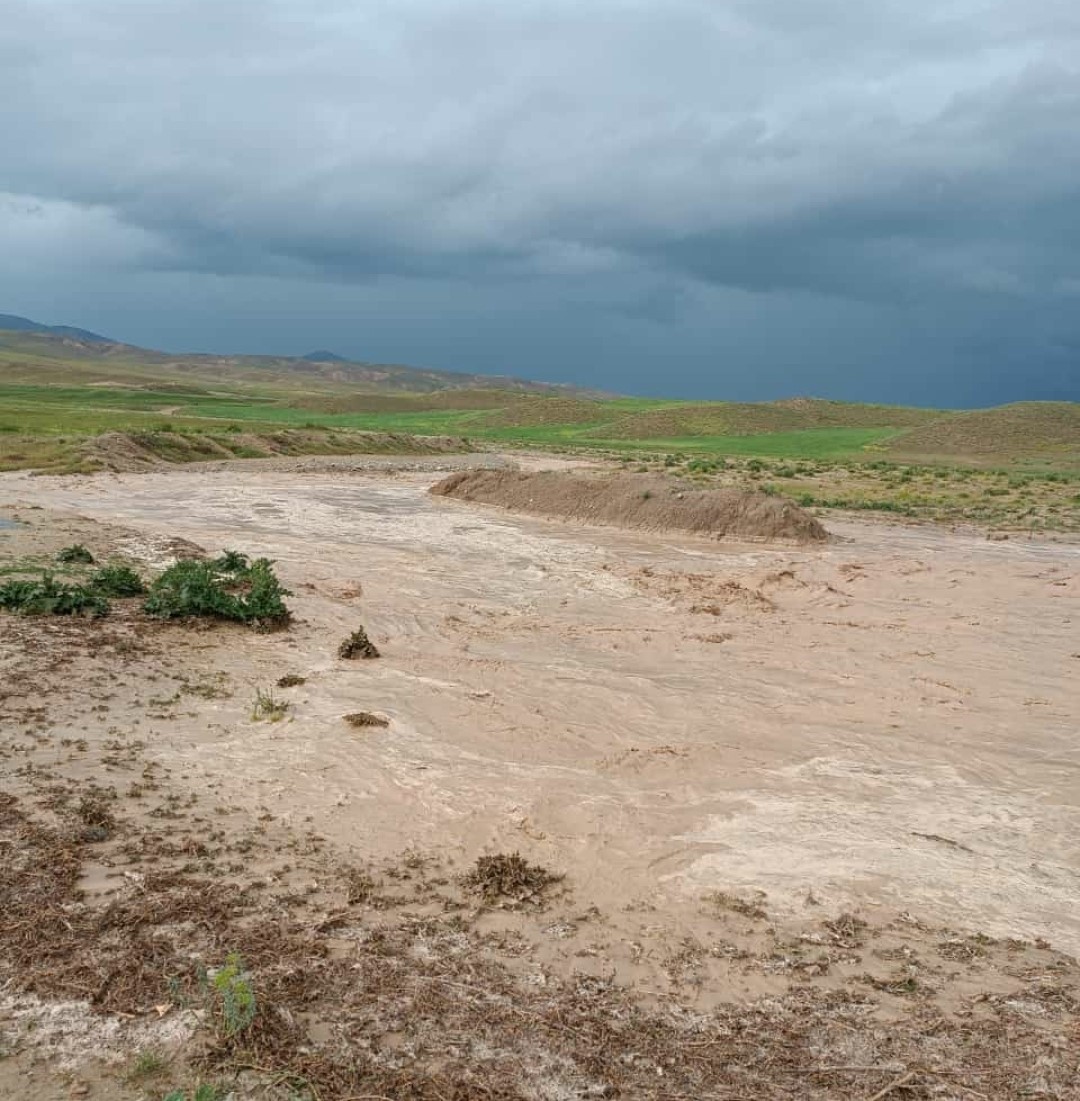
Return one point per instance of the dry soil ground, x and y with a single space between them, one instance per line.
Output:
735 755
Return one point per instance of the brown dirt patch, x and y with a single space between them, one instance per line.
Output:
646 502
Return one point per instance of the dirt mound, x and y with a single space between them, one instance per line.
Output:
647 502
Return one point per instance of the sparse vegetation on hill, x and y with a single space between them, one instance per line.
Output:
751 419
1032 429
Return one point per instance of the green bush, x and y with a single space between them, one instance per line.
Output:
228 587
49 597
117 581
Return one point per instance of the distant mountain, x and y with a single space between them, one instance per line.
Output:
14 323
324 357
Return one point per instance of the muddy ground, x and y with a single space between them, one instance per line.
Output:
813 810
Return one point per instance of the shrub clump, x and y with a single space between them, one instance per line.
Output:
75 555
50 597
358 645
117 581
229 587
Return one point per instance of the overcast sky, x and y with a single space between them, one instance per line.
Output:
866 199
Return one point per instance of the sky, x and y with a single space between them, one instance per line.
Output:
744 199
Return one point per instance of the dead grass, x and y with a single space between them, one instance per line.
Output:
507 879
463 1026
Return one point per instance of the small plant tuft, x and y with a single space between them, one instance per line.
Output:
147 1064
233 996
267 706
204 1092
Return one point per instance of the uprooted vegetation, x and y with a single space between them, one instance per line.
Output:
650 503
362 719
230 587
357 645
508 879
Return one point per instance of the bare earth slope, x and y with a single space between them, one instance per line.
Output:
645 502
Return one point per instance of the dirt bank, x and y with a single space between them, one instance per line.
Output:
644 502
129 451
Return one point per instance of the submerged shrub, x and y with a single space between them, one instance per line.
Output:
225 588
357 645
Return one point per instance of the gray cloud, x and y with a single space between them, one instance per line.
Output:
620 169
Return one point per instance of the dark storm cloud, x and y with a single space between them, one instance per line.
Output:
600 160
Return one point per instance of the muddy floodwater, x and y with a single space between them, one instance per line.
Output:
890 720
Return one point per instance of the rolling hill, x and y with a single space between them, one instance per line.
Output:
13 323
34 353
56 380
